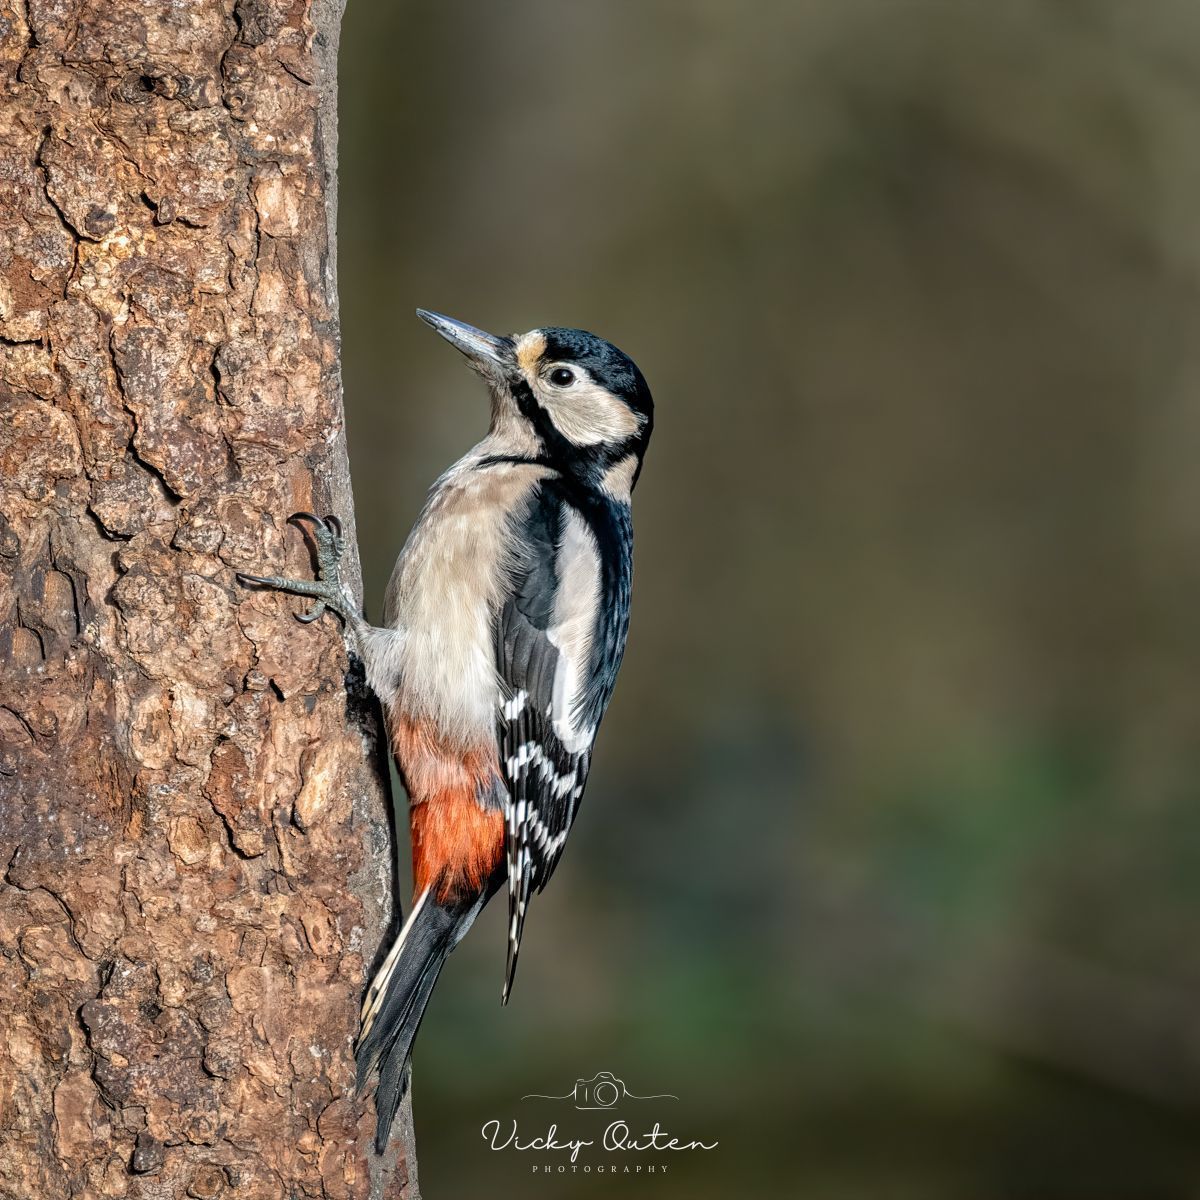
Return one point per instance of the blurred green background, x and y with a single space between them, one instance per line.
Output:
890 860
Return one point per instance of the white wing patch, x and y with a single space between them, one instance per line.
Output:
572 629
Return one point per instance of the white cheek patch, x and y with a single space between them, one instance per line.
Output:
586 414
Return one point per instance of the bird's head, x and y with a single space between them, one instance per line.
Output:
564 396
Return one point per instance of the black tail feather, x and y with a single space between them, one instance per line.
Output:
397 1000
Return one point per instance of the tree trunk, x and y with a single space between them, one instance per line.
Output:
193 816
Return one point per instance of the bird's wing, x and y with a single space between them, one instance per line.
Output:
560 633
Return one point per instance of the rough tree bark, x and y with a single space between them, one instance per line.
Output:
193 831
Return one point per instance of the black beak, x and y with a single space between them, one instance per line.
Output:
488 354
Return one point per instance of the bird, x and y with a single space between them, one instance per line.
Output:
504 626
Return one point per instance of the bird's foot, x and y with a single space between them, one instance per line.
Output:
326 589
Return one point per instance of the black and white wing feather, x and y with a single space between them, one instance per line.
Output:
560 636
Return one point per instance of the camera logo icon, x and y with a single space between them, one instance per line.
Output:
603 1090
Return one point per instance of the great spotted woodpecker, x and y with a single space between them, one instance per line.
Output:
503 630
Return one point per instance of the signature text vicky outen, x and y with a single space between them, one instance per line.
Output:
617 1138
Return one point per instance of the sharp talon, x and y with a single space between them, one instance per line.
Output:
325 535
269 581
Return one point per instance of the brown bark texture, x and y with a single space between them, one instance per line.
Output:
193 834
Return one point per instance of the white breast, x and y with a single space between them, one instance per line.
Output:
444 593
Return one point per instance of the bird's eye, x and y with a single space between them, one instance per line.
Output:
562 377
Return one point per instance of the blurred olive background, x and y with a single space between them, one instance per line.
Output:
890 860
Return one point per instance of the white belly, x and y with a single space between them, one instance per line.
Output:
443 596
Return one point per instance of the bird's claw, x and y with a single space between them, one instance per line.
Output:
326 589
326 531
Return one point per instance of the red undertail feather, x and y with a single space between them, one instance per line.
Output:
457 842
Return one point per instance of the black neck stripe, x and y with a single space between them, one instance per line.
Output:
540 460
